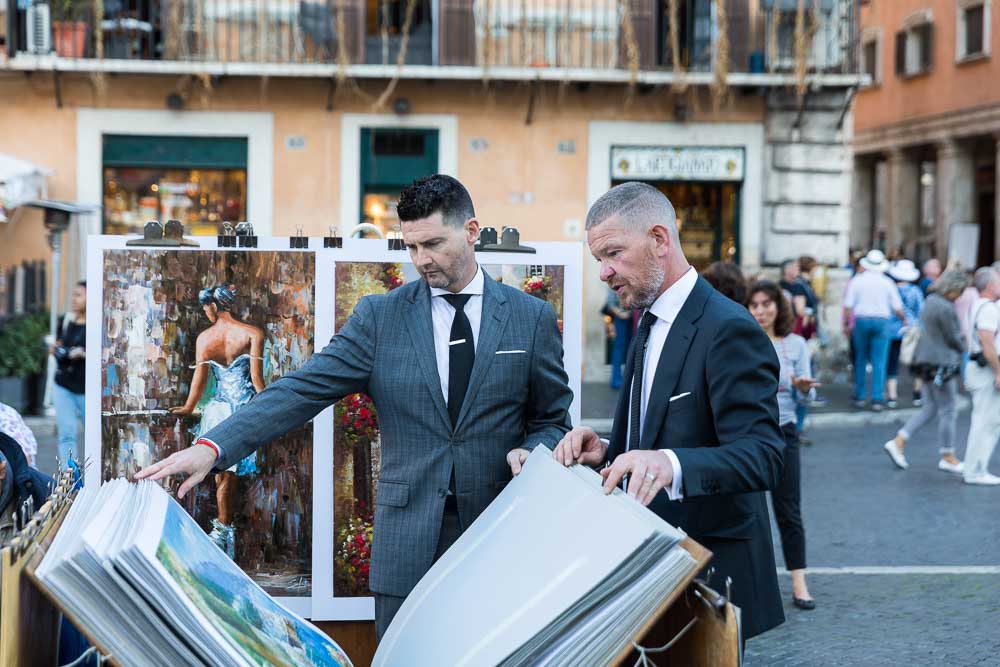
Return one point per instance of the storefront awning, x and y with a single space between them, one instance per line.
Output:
20 182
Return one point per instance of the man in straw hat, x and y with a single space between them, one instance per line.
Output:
871 300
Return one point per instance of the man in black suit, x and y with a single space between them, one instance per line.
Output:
696 433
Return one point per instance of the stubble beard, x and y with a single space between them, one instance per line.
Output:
645 295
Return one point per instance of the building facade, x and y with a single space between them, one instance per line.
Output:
927 130
258 112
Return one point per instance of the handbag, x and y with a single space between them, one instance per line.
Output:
908 346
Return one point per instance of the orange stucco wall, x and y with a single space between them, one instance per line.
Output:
948 87
521 157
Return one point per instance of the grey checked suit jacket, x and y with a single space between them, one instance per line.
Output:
386 350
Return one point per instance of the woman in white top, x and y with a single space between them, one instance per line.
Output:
773 312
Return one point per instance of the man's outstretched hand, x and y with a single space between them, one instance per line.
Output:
196 462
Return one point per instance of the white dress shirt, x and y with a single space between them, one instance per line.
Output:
666 308
443 315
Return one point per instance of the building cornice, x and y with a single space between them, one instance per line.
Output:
961 124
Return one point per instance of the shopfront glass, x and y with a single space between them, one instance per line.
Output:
202 199
707 219
201 181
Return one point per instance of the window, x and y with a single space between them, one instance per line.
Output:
972 29
915 46
871 55
201 181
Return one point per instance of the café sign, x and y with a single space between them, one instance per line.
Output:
666 163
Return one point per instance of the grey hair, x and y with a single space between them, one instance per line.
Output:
950 281
638 206
983 277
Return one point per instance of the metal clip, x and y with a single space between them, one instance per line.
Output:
227 239
245 237
299 241
333 241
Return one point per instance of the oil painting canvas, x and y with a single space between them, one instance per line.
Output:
189 337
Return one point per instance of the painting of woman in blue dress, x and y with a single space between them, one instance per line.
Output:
232 353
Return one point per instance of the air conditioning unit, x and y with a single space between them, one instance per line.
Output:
39 24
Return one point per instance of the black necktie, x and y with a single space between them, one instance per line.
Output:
461 355
638 364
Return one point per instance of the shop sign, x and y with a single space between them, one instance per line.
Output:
667 163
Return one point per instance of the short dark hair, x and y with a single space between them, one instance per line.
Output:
728 279
784 323
81 283
807 263
436 194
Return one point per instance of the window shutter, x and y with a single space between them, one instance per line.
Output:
457 45
926 32
644 26
901 53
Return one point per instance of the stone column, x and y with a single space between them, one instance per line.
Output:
903 201
862 223
956 191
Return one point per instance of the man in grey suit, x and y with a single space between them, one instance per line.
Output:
467 377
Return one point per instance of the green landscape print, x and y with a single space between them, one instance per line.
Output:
234 604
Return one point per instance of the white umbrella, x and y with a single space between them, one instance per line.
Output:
20 181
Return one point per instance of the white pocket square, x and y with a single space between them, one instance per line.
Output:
679 396
511 352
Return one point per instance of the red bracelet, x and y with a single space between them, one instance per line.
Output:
208 443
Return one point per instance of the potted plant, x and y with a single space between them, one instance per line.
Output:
69 29
22 354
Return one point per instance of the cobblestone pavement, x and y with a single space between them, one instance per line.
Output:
860 511
887 621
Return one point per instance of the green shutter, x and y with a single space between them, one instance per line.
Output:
175 152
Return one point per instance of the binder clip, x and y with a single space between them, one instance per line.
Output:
170 235
510 241
333 241
487 236
227 239
245 237
298 241
395 241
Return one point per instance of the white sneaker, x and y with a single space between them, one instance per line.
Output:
896 455
957 468
983 478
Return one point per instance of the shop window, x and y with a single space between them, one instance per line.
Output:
972 34
200 181
915 45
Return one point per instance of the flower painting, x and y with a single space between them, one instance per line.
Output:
357 442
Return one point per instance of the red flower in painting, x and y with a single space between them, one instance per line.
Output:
392 277
353 554
358 418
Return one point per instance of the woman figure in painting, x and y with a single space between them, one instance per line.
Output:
233 352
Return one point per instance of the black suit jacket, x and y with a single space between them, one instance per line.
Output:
726 437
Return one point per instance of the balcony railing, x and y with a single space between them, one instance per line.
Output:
569 34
